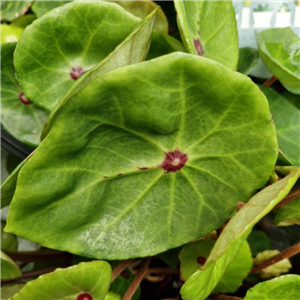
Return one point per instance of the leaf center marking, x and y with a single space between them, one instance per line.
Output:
198 47
174 161
76 72
23 99
84 296
201 260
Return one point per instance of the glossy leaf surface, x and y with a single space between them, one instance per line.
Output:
132 50
279 49
11 10
108 181
202 283
286 118
21 119
248 58
194 255
285 287
208 28
8 267
91 280
9 33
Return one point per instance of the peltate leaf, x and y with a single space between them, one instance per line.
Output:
248 58
11 10
285 287
8 267
279 49
286 118
22 119
162 156
208 28
202 283
88 280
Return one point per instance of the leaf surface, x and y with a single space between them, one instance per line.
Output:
286 118
202 283
8 267
288 214
285 287
108 181
279 49
22 120
87 280
42 7
208 28
11 10
248 58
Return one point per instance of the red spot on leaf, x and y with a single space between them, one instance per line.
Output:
174 161
198 47
120 174
84 296
144 168
23 99
201 260
125 274
76 72
105 177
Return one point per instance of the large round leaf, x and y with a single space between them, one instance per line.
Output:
279 49
22 119
146 158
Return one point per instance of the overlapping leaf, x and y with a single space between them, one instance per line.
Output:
288 214
285 287
11 10
97 184
88 280
208 28
248 58
279 49
22 120
202 283
286 118
42 7
8 267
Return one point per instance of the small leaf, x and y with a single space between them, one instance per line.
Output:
279 49
285 287
8 267
202 283
208 28
288 214
22 119
42 7
286 118
9 242
248 58
88 280
163 143
258 242
11 10
8 290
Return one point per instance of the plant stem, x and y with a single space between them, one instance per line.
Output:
269 81
223 297
137 279
276 258
119 268
295 193
44 255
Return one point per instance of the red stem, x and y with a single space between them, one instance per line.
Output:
295 193
269 81
119 268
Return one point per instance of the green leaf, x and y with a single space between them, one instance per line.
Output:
8 186
285 287
90 279
194 255
202 283
10 34
286 118
248 58
135 118
42 7
8 267
81 35
133 50
22 120
8 290
288 214
11 10
112 296
258 242
279 49
9 242
208 28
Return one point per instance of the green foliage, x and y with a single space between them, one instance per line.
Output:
137 159
262 8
